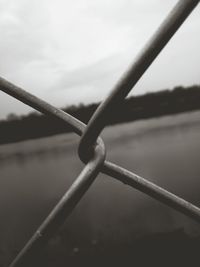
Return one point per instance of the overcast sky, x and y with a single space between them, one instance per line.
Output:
69 52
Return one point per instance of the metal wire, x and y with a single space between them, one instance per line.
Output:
62 209
108 168
153 47
152 190
91 148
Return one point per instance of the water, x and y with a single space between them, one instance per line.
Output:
35 174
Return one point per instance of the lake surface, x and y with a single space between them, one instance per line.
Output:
35 174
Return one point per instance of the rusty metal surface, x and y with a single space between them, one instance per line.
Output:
91 147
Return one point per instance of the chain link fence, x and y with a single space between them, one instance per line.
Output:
91 147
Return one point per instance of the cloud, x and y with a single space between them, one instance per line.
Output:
72 51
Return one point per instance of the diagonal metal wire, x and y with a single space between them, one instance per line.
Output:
151 50
91 147
62 210
108 168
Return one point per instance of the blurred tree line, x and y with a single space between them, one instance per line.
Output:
34 125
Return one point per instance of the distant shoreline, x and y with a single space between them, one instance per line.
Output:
150 105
